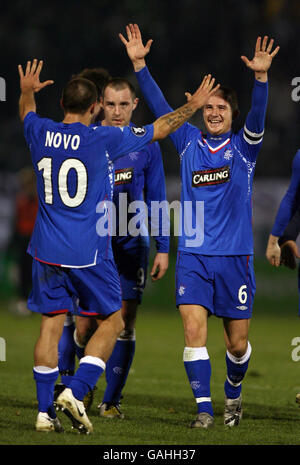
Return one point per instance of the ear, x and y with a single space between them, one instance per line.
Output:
92 108
135 103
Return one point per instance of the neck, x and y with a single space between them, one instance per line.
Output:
70 118
224 135
105 123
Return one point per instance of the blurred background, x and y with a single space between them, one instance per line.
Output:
191 38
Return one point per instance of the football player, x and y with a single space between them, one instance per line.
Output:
282 247
286 210
139 176
73 166
214 271
67 347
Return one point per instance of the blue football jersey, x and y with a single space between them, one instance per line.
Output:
290 201
139 180
217 177
74 169
139 175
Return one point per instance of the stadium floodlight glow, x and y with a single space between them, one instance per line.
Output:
2 90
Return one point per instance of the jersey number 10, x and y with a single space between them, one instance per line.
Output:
45 164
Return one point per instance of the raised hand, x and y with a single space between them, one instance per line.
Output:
30 81
170 122
263 55
136 50
204 91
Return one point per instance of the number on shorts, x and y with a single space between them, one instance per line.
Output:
140 277
242 295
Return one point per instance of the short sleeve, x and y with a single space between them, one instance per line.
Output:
32 127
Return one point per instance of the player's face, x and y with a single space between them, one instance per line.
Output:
118 106
217 115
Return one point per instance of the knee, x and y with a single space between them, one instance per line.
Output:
195 333
81 336
85 328
192 330
238 347
120 326
50 334
129 312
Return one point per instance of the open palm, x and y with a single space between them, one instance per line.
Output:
263 55
30 81
134 43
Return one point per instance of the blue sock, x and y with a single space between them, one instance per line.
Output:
198 369
45 378
79 348
236 370
86 377
66 352
118 366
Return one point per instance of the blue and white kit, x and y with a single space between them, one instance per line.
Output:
288 208
216 194
73 166
140 176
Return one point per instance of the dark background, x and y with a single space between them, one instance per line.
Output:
190 38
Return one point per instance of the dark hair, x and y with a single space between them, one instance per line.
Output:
78 95
119 83
99 76
229 95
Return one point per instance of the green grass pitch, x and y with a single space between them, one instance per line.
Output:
158 402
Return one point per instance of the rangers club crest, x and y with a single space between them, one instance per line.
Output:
228 154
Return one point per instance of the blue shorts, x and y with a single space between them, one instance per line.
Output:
90 291
224 285
132 265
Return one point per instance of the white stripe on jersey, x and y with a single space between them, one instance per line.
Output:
83 266
215 149
184 150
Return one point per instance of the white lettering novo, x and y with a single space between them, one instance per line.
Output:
57 139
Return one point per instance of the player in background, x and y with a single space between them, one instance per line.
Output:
282 247
288 207
287 242
138 176
26 210
73 165
214 271
66 347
